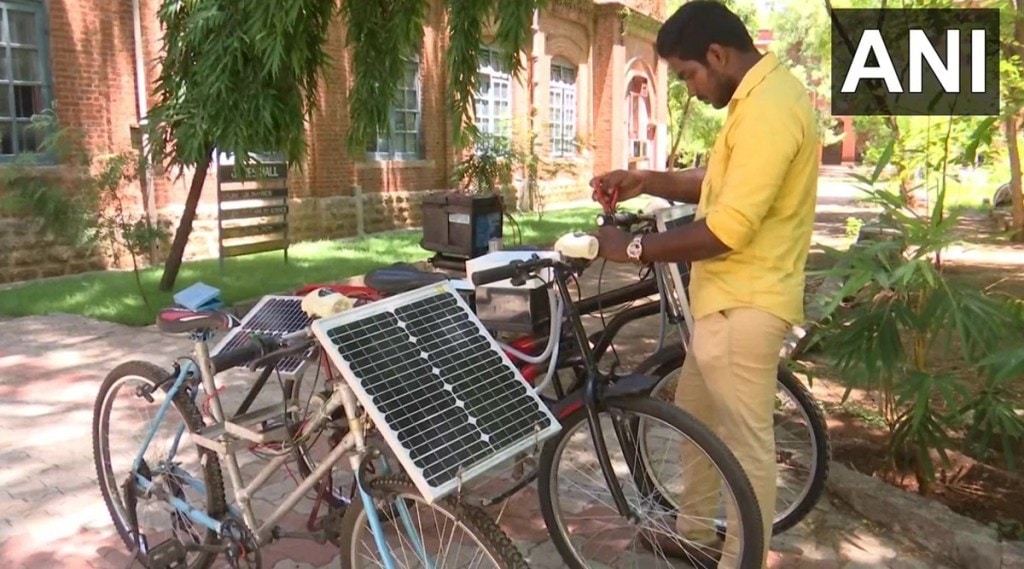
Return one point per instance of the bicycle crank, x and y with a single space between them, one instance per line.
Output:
240 546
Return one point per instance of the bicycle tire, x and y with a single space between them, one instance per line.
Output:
475 521
818 429
699 434
214 481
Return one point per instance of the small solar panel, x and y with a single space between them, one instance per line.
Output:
442 393
671 218
273 315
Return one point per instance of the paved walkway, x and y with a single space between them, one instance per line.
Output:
52 514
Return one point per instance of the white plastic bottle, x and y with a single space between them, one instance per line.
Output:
578 246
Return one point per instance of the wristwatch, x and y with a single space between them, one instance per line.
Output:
635 248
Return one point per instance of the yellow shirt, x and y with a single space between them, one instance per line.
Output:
758 197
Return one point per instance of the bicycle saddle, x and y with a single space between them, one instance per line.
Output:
182 320
401 277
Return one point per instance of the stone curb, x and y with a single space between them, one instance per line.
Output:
928 523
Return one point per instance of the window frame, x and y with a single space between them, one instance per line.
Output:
45 69
564 88
373 151
494 54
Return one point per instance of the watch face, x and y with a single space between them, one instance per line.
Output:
634 249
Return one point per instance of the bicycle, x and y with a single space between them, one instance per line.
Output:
625 403
194 535
805 464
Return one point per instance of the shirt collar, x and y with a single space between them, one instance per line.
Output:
755 75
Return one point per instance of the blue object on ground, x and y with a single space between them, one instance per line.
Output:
199 296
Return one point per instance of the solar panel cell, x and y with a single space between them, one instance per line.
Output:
436 384
275 316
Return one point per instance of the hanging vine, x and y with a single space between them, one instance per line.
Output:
382 35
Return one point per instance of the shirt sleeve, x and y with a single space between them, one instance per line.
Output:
762 145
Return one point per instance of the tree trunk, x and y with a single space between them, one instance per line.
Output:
679 139
899 163
177 251
1016 197
1016 192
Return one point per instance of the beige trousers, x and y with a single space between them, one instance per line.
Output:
728 383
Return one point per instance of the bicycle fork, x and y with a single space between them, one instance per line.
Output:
592 402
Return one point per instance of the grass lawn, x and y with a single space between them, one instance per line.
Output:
114 295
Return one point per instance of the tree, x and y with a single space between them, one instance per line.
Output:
1013 116
236 77
241 77
801 41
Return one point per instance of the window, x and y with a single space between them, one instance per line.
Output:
638 115
493 112
406 120
24 90
562 95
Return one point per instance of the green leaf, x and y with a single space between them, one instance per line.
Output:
883 161
982 131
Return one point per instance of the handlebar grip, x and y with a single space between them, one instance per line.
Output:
621 219
242 355
495 274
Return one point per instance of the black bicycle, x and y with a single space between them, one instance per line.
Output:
803 448
598 497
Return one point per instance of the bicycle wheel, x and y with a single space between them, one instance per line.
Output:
171 464
802 446
581 501
492 548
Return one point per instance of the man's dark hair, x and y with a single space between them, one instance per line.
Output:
696 25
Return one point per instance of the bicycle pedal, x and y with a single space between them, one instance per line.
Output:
167 555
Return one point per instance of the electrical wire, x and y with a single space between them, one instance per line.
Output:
554 307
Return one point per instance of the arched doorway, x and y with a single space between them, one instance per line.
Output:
640 130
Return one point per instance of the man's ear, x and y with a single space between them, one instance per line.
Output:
717 56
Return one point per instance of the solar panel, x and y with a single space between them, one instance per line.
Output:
671 218
273 315
442 393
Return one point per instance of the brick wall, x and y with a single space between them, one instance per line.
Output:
28 253
93 70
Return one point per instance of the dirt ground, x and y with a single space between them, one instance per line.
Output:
989 493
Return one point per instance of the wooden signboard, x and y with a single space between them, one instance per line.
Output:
252 206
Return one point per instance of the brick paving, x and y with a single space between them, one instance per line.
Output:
52 514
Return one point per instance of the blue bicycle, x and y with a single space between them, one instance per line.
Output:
161 437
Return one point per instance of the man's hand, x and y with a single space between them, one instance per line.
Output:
613 242
628 184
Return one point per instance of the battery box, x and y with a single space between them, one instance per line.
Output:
504 307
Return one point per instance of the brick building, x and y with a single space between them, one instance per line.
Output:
599 93
599 96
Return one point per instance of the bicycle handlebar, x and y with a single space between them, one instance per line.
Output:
512 270
256 347
261 350
623 219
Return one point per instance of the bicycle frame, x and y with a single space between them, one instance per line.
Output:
592 385
341 396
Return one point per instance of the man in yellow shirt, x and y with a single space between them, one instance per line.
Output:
748 245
